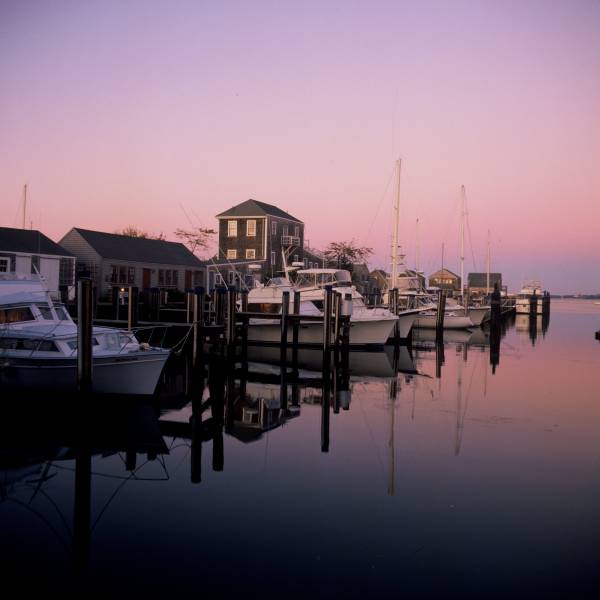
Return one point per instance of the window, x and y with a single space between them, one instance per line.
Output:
273 258
198 278
231 277
297 230
251 228
16 315
231 228
231 254
35 264
273 227
285 230
167 277
131 275
250 253
66 268
296 258
4 265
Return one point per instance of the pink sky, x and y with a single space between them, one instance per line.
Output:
122 113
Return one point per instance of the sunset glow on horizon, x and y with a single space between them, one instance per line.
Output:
163 115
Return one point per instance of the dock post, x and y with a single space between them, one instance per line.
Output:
198 339
132 307
439 319
84 335
230 318
345 337
325 404
495 306
533 304
296 333
283 348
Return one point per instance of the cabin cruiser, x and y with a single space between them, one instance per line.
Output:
368 326
529 290
38 346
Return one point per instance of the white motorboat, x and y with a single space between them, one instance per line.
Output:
38 346
529 290
368 326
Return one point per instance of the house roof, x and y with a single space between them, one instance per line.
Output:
253 208
29 241
480 279
444 273
144 250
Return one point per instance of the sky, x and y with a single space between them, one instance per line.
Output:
163 114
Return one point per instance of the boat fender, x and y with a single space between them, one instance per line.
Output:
144 346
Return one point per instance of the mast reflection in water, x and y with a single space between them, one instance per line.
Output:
463 468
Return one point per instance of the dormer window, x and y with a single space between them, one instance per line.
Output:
231 228
251 228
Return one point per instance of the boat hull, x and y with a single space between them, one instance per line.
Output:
479 315
362 333
135 374
450 322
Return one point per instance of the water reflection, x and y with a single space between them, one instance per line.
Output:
440 454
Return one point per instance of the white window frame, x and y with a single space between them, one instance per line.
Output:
250 253
5 260
251 228
231 228
285 231
273 227
231 277
297 230
273 257
231 254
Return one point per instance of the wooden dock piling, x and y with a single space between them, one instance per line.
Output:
84 335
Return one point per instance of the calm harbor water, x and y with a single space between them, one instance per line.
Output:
482 481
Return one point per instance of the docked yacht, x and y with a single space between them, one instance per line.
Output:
368 326
530 289
38 346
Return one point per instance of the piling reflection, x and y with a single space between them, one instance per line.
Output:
210 403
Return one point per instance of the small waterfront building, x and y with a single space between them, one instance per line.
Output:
115 260
252 237
445 279
477 283
360 277
30 252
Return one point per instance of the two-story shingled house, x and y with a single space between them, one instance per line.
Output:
252 236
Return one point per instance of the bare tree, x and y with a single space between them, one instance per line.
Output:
345 254
136 232
197 238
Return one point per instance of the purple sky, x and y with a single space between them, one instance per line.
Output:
119 113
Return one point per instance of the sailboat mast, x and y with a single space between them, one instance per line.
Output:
24 204
462 244
395 241
418 250
487 282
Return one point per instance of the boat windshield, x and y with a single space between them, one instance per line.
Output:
16 314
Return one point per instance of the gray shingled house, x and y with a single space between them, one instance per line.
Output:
28 251
115 260
477 283
251 238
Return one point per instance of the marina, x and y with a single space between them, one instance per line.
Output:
432 436
300 300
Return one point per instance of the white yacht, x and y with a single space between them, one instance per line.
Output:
529 289
38 346
368 326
